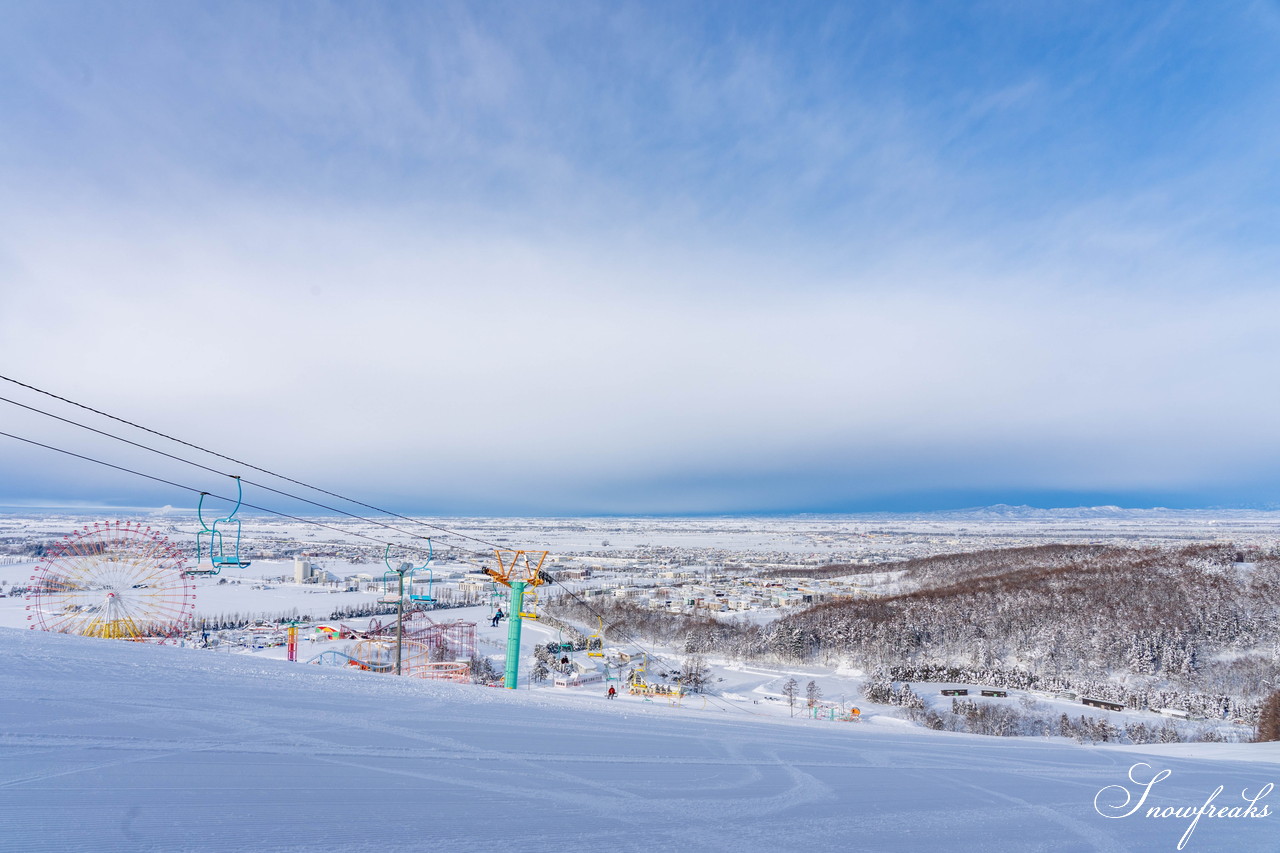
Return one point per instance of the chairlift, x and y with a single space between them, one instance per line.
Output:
399 573
595 642
496 599
391 581
530 604
563 648
218 556
425 567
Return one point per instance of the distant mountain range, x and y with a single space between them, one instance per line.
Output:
1005 511
996 512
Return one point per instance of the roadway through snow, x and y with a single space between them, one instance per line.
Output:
119 746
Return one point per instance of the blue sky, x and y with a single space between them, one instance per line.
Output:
509 258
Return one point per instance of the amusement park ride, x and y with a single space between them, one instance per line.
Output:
120 581
124 581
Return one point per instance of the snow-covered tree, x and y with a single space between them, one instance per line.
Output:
539 673
695 673
789 689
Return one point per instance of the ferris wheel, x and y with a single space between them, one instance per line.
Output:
117 580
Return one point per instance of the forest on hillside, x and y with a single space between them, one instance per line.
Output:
1178 627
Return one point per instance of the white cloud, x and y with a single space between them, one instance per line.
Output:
438 256
363 349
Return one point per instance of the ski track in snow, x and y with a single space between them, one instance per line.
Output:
109 746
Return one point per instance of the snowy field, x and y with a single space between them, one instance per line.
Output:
760 540
119 746
116 746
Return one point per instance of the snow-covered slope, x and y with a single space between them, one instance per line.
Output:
117 746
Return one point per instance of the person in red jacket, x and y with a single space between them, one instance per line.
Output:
611 692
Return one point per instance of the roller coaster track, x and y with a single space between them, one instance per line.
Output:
335 658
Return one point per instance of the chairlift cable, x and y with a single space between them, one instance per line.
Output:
241 462
277 513
223 473
194 490
268 510
318 524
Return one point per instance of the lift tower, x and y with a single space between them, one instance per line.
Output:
518 570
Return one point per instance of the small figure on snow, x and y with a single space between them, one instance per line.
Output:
611 692
497 617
